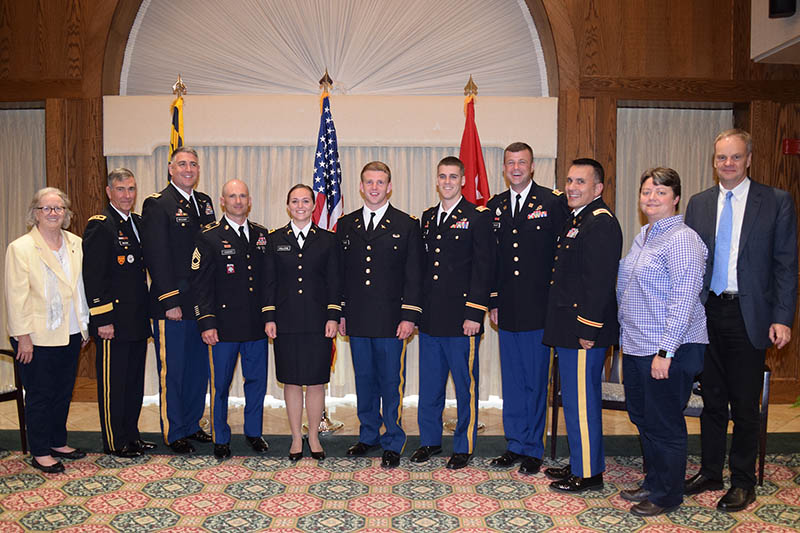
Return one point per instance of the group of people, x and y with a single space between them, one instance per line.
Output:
700 295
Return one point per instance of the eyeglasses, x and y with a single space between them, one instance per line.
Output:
47 209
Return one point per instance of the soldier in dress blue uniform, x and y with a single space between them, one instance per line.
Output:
527 219
582 322
115 281
171 220
229 287
459 260
382 269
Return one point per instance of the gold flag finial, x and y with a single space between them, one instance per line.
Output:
325 82
470 88
179 89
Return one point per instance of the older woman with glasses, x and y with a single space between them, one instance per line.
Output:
48 323
662 336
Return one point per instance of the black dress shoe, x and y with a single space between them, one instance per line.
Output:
558 472
699 483
128 452
74 454
144 445
258 444
200 436
458 460
360 448
507 459
736 499
635 495
530 465
222 451
390 459
423 453
648 508
181 446
55 468
578 484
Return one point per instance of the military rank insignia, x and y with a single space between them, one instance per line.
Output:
196 259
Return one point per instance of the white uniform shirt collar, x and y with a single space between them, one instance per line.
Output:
186 196
235 227
441 209
523 194
365 211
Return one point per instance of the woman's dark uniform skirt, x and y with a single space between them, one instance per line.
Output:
302 358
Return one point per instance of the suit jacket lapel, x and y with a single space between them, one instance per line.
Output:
751 209
49 258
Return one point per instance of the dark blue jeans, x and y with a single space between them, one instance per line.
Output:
48 381
656 407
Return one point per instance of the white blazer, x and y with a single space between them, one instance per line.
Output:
26 304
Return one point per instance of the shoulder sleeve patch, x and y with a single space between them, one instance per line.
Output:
602 211
155 195
557 192
97 217
196 259
482 208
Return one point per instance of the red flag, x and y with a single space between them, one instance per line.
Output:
476 186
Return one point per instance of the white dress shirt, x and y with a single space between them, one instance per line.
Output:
738 202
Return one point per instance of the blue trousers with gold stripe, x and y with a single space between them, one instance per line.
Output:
120 388
525 368
222 359
182 362
380 371
438 357
581 393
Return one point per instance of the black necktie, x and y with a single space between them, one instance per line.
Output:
371 225
193 205
516 205
243 237
442 218
300 239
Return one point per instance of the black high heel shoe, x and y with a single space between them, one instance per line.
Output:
294 457
319 456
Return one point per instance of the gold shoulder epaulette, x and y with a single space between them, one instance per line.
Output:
210 226
482 208
273 231
97 217
601 211
413 217
557 192
137 214
258 225
155 195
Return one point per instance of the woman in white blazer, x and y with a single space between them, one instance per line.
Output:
47 322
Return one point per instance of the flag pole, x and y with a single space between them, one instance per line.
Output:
327 425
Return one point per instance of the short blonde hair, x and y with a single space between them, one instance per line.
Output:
736 132
30 217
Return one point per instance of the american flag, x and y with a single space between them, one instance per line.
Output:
328 201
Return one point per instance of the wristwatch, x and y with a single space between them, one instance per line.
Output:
665 354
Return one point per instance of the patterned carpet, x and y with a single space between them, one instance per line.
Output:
197 494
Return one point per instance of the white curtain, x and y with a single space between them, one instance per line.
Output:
412 47
681 139
22 173
271 171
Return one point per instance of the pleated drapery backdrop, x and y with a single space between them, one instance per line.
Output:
271 171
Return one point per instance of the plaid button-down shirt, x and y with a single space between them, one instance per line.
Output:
658 289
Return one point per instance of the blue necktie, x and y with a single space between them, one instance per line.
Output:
722 247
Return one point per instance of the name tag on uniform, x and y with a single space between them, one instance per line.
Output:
230 251
284 248
572 233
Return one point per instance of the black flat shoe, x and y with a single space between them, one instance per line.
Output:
507 459
423 453
128 452
181 446
736 499
74 454
222 451
55 468
458 461
648 508
360 448
144 445
258 444
530 466
390 459
200 436
699 483
578 484
635 495
558 472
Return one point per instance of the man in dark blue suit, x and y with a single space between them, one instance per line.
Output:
750 292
